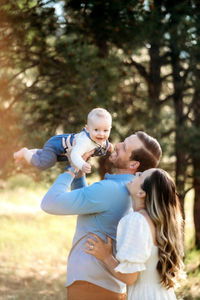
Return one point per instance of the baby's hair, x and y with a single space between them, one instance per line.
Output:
99 112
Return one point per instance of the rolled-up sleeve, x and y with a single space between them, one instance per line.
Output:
78 183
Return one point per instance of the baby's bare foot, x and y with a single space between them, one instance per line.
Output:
19 155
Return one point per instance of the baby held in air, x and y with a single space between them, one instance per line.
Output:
94 136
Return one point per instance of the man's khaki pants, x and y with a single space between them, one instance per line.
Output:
83 290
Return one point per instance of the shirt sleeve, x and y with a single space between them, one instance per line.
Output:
134 243
82 145
87 200
78 183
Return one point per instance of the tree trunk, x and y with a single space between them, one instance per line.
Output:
180 166
154 84
196 162
197 201
180 136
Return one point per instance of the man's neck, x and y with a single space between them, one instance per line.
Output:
123 171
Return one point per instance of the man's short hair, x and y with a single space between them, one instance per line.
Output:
149 155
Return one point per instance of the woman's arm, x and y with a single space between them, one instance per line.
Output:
111 263
103 252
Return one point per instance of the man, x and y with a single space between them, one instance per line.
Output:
99 207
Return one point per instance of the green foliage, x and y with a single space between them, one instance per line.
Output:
138 59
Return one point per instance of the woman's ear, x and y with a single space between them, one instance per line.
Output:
134 165
141 194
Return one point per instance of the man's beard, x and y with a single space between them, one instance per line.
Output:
117 163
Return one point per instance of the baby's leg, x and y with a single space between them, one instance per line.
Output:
44 159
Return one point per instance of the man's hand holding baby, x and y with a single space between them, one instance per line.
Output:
86 167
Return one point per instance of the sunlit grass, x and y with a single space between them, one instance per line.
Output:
34 246
189 221
190 288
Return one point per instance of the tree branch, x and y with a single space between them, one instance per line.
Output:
20 94
166 99
168 132
165 77
186 191
11 79
141 69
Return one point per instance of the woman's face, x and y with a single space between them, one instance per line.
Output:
134 186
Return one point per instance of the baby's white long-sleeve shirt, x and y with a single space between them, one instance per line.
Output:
82 145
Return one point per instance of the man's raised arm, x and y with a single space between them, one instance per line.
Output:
89 199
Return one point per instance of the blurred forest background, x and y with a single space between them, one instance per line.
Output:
138 59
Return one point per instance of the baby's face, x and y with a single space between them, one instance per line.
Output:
99 129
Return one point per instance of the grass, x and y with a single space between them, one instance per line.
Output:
34 247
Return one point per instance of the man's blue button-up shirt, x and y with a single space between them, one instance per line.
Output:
99 207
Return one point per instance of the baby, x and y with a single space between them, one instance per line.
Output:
93 136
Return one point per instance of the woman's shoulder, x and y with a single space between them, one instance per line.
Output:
150 225
131 221
133 229
134 217
136 223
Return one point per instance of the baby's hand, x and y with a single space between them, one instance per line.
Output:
86 168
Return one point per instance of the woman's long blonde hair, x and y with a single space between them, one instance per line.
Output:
163 207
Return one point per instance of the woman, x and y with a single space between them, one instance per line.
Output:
149 240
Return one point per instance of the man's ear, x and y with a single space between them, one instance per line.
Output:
134 165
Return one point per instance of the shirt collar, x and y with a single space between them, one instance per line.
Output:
124 176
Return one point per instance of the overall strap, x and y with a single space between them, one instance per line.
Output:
86 132
101 151
72 138
65 142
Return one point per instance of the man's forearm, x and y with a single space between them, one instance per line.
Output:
78 182
49 203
